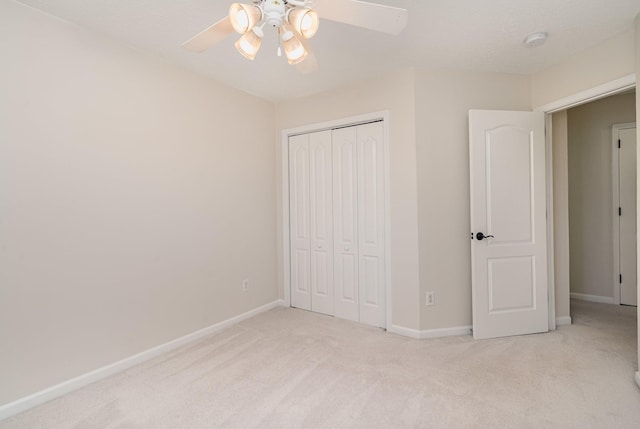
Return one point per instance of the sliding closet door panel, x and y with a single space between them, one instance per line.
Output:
299 221
345 216
321 222
371 223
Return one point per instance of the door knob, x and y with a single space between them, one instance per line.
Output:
480 236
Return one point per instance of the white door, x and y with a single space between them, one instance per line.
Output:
359 219
508 208
337 223
370 151
321 222
299 221
345 192
627 195
311 223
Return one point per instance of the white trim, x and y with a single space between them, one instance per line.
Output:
338 123
563 321
638 378
615 171
430 333
53 392
405 332
385 117
610 88
592 298
446 332
551 271
286 245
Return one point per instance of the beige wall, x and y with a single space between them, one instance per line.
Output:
443 100
561 213
396 94
133 202
591 193
603 63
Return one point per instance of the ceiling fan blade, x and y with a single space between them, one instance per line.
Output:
209 37
377 17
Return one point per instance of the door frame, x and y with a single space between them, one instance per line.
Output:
382 116
615 169
607 89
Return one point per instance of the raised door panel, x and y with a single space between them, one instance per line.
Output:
509 153
371 232
299 223
345 217
321 222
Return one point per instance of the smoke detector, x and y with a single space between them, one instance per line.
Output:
534 40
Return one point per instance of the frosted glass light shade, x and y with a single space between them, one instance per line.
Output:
249 44
305 21
293 48
244 17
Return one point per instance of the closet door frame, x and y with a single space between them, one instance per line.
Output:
382 116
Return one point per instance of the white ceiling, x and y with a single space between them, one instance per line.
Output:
482 35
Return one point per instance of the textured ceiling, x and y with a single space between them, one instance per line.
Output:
442 34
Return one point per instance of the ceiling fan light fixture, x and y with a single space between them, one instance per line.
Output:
249 44
244 16
293 48
304 20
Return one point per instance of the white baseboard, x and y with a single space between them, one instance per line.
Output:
592 298
446 332
638 378
405 332
23 404
563 321
430 333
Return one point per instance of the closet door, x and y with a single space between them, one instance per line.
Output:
321 222
371 221
345 223
299 221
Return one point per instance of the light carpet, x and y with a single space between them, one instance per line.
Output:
293 369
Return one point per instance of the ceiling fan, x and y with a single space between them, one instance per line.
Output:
295 21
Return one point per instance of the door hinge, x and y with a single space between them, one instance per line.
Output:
619 143
619 211
620 278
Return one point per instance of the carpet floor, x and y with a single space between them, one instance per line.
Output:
293 369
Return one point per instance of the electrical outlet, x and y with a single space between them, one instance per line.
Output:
245 285
431 298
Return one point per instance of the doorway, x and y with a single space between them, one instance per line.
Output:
557 191
599 249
